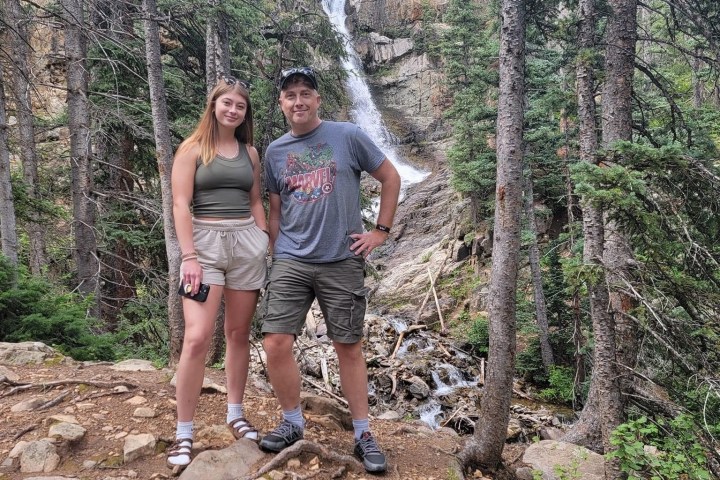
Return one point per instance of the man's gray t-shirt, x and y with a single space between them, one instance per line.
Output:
317 176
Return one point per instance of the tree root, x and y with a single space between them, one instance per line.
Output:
306 446
48 385
54 401
25 430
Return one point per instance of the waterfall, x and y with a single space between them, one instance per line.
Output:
364 112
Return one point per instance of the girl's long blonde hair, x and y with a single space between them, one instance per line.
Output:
205 135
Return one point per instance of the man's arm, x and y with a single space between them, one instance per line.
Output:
389 180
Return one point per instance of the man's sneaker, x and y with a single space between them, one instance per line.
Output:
369 452
282 437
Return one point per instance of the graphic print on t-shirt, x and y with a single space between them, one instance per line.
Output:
310 175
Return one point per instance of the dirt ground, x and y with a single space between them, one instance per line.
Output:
413 451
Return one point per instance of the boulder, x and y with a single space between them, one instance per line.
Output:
25 353
39 456
230 463
557 460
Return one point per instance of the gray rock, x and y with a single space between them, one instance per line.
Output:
28 405
60 418
39 456
551 433
137 446
18 449
390 415
549 456
145 412
71 432
134 365
514 429
207 384
230 463
418 388
25 353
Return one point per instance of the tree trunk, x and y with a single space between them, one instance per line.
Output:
17 46
114 148
601 412
617 126
217 46
85 248
8 233
217 64
164 156
534 257
486 445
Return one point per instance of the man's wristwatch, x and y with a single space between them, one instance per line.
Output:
382 228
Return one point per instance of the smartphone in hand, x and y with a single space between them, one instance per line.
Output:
201 296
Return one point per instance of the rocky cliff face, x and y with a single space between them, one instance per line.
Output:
407 81
432 222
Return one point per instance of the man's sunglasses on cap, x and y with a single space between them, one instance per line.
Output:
306 72
230 80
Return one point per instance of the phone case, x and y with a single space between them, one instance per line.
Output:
201 296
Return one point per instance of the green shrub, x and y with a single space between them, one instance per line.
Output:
561 389
478 334
32 310
679 454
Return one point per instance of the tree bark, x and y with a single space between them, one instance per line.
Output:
17 46
85 248
541 317
164 156
114 147
486 445
217 46
617 126
217 64
8 233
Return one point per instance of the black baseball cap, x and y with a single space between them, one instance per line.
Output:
306 72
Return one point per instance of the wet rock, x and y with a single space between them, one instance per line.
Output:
418 388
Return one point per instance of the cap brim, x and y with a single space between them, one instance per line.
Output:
310 79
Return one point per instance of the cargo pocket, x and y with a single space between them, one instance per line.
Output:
357 310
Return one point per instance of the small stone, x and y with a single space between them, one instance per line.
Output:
136 400
294 463
85 406
28 405
60 419
144 412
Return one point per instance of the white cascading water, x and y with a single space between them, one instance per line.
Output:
364 112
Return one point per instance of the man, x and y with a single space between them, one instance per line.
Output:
319 250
